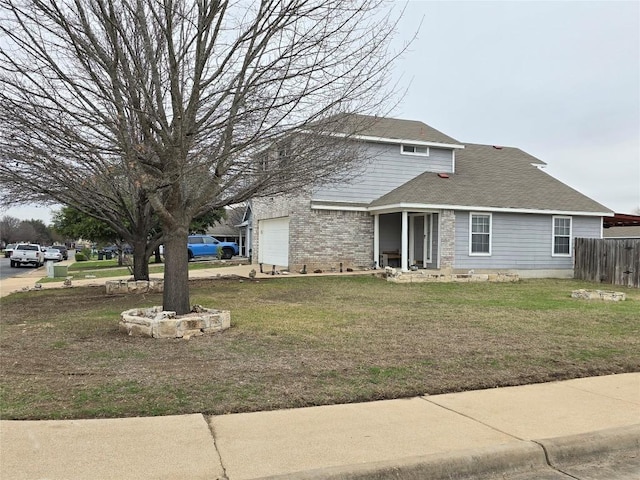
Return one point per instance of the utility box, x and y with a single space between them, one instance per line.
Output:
59 271
50 272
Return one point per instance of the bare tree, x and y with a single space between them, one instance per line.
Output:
9 229
183 99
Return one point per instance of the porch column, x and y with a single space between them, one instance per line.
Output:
376 240
404 250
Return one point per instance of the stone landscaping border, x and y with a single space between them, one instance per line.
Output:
598 295
155 323
397 276
119 287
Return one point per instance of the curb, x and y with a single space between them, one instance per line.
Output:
550 455
592 446
513 458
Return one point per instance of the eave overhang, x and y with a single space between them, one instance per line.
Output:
395 141
417 207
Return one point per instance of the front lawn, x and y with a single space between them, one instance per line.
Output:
305 341
110 268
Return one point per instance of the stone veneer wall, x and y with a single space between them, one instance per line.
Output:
447 239
319 239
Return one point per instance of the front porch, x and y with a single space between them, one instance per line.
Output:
412 239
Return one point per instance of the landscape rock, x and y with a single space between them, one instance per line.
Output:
156 323
598 295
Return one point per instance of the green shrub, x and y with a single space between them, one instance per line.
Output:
81 257
86 252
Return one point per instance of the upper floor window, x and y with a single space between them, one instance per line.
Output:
480 234
263 161
562 236
414 150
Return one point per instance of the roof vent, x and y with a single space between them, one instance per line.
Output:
443 175
497 147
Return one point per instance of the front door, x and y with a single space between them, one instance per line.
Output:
420 234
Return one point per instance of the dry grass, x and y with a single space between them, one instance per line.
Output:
305 341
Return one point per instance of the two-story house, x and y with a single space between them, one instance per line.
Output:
425 200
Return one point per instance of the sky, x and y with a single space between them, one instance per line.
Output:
557 79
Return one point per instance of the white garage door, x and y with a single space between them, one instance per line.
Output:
274 241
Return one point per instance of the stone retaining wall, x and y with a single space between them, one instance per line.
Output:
115 287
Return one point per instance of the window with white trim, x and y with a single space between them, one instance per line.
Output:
480 234
414 150
562 236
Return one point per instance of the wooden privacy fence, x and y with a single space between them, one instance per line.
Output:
608 260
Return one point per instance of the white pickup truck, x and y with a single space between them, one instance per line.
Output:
27 253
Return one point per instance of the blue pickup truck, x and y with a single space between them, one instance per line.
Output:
208 246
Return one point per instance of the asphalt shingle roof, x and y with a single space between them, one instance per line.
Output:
390 128
489 177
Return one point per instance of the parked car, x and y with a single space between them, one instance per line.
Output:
207 246
53 254
27 254
8 250
63 250
114 249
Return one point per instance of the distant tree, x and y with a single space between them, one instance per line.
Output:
167 104
43 234
9 229
33 231
74 224
202 223
636 211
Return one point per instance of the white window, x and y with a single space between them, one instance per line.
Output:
414 150
263 161
480 234
561 237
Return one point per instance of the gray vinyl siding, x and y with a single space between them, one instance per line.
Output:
520 241
386 169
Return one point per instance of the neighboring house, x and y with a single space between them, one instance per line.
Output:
426 200
227 229
246 233
622 232
622 226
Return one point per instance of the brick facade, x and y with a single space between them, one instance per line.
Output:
319 239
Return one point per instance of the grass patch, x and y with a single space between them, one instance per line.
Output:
93 265
305 341
109 268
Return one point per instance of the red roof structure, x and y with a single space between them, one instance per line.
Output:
621 220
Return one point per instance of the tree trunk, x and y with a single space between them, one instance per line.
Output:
176 268
140 261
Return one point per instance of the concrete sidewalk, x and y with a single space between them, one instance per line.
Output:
585 428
